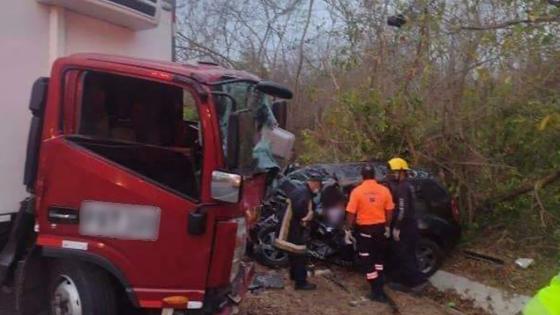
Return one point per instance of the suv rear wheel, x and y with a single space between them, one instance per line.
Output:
80 289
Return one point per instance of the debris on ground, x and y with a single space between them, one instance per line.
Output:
453 303
482 257
268 280
318 272
330 299
524 262
358 302
509 246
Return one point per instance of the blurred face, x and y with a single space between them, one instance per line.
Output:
315 186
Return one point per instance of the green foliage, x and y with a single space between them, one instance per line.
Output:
190 113
556 235
360 126
496 140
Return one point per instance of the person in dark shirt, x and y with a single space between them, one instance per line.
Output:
406 274
302 212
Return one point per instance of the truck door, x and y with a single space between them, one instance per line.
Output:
119 182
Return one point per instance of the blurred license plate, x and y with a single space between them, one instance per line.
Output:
121 221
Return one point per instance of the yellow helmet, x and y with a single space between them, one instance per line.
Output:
398 164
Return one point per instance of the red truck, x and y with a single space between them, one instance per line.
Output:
141 179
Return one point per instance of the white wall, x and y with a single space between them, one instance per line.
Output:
28 41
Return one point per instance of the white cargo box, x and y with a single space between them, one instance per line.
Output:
133 14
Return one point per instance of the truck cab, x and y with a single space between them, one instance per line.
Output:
141 177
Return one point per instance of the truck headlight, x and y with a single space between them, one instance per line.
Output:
121 221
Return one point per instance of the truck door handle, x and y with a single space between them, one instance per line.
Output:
63 215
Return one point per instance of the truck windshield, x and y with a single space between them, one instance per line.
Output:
253 110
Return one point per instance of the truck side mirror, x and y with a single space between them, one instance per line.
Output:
226 187
274 89
280 111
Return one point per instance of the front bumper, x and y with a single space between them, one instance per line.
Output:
224 303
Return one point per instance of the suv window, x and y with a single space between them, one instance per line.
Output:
147 127
431 197
430 190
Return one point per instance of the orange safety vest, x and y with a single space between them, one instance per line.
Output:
369 202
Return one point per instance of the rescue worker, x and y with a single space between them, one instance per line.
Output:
547 301
301 213
370 208
406 276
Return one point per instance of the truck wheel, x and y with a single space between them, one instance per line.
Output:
267 254
429 256
80 289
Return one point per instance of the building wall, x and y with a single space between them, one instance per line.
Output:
32 35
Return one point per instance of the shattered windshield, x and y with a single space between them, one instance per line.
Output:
253 109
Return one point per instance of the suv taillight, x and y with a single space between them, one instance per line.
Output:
455 210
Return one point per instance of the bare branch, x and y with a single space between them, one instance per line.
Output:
207 49
301 45
528 187
538 20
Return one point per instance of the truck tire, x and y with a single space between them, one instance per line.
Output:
429 255
265 251
80 289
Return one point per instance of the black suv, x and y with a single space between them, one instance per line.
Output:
437 211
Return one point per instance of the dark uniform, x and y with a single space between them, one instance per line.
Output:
405 264
301 200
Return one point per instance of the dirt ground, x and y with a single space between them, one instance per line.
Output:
500 243
331 299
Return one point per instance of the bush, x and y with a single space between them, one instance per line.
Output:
491 145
